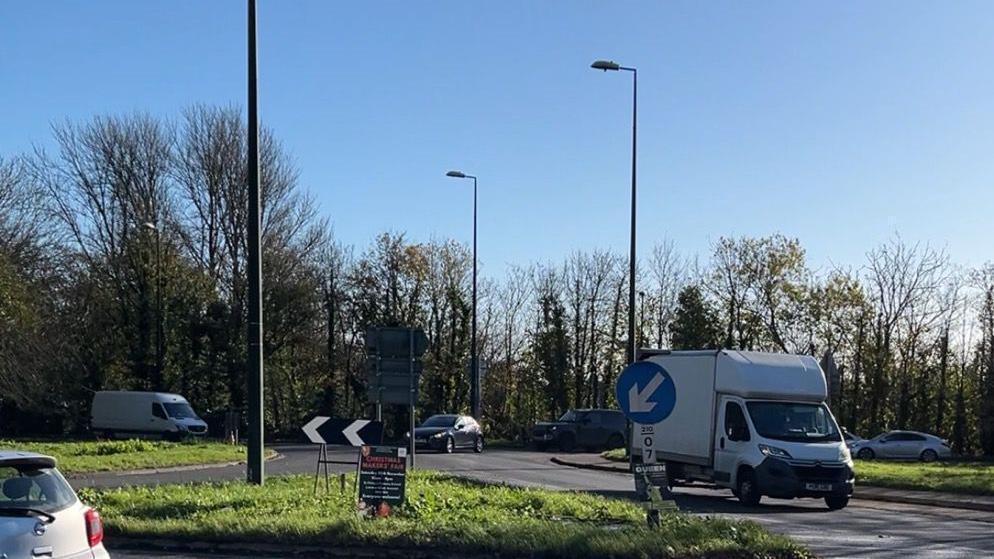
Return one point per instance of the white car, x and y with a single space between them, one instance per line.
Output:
903 445
40 515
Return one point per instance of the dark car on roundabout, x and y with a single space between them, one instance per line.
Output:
593 429
448 433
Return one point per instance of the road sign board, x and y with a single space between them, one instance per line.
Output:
354 432
400 366
645 392
382 473
395 342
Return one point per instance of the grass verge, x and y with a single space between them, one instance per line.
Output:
118 455
615 455
967 478
441 513
970 478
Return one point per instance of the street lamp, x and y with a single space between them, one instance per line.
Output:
606 65
160 322
474 398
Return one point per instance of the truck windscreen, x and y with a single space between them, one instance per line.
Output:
793 422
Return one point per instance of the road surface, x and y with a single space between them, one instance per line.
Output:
864 529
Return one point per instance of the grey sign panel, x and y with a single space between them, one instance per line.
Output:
391 382
398 366
391 396
395 342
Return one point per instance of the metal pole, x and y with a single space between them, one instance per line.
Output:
159 336
475 400
255 466
410 334
631 253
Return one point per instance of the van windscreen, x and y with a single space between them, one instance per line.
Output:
180 411
789 421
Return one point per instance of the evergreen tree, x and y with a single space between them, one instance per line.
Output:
695 325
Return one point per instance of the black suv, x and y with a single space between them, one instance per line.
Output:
592 429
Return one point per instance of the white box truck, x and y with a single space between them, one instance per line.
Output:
144 413
756 423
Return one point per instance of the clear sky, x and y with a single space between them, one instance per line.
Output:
839 123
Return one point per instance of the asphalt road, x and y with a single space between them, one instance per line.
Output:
864 529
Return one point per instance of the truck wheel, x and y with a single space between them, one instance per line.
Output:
615 441
866 454
748 491
567 442
836 502
929 455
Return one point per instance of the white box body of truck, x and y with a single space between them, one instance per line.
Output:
754 422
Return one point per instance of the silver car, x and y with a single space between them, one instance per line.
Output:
40 515
902 445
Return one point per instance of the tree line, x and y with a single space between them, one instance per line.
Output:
122 266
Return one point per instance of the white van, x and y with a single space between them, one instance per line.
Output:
144 413
756 423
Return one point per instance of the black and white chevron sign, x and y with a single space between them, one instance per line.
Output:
355 432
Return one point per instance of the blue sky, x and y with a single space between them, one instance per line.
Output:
840 123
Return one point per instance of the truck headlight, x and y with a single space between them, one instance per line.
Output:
844 454
773 451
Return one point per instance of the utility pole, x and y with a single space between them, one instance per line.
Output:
255 467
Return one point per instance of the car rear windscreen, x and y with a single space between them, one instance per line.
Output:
36 488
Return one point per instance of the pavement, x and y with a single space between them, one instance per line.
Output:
866 528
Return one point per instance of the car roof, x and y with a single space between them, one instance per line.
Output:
22 458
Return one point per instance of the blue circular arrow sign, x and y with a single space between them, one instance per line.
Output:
645 392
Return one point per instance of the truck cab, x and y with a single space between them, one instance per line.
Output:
756 423
781 449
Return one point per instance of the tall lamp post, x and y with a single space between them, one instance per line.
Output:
159 336
255 467
606 65
474 398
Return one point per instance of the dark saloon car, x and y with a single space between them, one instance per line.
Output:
448 432
592 428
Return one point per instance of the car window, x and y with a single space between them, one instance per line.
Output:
595 418
736 428
440 421
158 411
912 437
568 417
37 488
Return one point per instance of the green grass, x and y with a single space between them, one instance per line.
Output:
973 478
118 455
969 478
615 455
441 513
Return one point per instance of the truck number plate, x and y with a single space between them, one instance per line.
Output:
818 486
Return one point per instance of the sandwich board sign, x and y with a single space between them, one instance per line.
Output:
382 473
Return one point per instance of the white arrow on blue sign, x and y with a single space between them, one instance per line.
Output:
645 392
